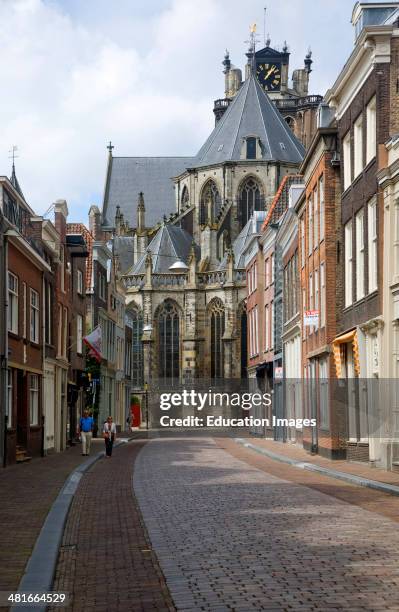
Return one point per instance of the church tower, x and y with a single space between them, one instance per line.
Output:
272 72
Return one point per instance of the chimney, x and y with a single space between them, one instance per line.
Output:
95 222
60 217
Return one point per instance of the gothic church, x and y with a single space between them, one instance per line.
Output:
180 251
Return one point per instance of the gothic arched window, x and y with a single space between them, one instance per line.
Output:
135 320
249 200
210 203
168 322
185 198
216 314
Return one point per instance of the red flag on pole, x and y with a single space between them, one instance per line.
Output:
94 342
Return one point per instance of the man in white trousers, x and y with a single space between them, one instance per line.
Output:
86 424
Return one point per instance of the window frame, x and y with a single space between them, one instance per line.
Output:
372 238
79 334
348 266
360 255
13 303
322 205
34 317
347 162
371 129
34 400
322 313
358 157
79 281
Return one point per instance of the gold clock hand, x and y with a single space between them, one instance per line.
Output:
270 72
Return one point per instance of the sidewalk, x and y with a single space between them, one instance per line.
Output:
28 491
106 561
296 453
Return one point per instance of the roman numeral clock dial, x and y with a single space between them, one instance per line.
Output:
269 76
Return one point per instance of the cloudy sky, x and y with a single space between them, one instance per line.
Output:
144 74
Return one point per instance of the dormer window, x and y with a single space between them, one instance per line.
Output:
251 147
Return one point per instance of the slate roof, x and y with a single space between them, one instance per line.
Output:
239 245
123 248
170 244
15 183
127 176
251 113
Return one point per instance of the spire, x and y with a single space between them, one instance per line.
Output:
13 177
141 212
110 146
308 61
251 65
226 62
118 220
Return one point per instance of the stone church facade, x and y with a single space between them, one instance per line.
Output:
180 250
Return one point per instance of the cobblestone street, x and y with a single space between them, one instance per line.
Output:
229 536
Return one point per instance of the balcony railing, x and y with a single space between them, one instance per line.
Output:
133 282
169 280
299 102
217 277
221 103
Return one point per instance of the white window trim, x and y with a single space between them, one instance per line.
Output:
34 317
371 122
372 246
348 264
267 327
310 225
79 334
322 208
322 315
34 400
346 150
360 254
315 219
13 303
358 146
80 282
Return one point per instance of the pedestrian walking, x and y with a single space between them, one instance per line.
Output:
86 425
109 433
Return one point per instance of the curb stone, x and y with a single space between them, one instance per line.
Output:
311 467
40 570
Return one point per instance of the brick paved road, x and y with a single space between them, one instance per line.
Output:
229 536
27 492
106 562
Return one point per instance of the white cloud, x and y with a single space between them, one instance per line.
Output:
75 75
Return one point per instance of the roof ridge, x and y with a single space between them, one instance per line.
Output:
286 178
260 110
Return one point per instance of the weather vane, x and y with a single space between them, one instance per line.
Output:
253 39
13 155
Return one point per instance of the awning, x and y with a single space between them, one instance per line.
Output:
336 345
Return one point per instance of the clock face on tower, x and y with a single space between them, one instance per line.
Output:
269 75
